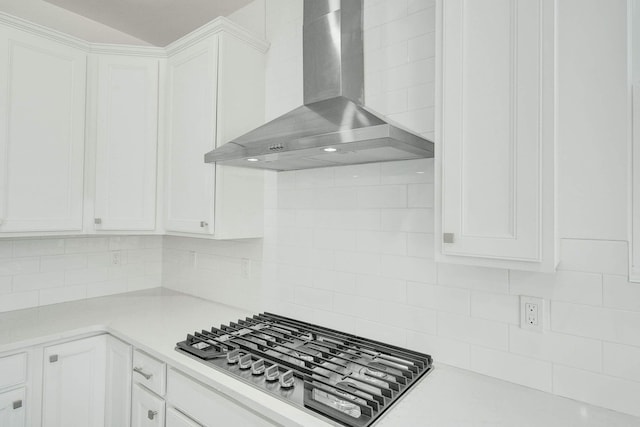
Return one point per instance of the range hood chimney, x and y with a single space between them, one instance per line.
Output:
333 127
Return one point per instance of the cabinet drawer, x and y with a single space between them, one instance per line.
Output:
149 372
13 370
177 419
207 406
147 409
12 408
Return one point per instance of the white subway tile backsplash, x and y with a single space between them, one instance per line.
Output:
596 256
35 281
440 298
6 284
110 287
382 242
578 352
443 350
408 172
474 331
13 266
420 245
335 198
511 367
312 297
88 275
87 244
420 195
618 326
387 196
597 389
499 307
385 11
569 286
382 288
421 47
381 332
63 262
357 262
474 278
6 249
333 239
620 293
367 174
35 247
67 293
408 268
621 361
409 220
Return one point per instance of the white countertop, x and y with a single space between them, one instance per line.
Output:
155 320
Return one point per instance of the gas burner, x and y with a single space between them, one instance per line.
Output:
345 378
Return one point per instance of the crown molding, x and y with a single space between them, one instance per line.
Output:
218 25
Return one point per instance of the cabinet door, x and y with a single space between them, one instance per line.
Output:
126 123
12 408
42 105
497 131
74 384
118 383
177 419
147 408
191 119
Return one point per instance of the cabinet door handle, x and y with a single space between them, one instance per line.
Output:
143 373
151 414
17 404
204 224
97 221
53 358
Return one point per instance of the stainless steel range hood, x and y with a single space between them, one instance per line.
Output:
333 127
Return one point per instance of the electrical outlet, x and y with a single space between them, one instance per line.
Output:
532 313
245 268
116 258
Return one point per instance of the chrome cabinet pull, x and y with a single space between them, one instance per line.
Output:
151 414
53 358
97 221
204 224
17 404
143 373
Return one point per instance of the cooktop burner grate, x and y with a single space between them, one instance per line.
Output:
346 378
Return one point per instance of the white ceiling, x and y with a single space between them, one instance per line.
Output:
158 22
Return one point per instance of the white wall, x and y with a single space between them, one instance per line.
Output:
57 18
351 247
35 272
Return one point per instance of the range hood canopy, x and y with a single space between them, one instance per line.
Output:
333 127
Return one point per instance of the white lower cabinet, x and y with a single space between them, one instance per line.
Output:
207 406
118 384
12 408
74 383
147 409
178 419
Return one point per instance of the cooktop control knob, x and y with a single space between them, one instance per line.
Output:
233 356
287 379
257 367
245 361
272 373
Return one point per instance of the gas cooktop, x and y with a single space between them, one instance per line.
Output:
345 378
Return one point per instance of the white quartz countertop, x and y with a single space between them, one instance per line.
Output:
156 320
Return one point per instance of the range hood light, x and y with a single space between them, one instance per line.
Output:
330 149
252 160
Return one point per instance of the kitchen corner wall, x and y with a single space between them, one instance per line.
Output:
352 247
35 272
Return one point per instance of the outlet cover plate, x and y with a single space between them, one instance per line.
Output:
532 313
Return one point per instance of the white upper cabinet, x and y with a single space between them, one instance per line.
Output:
495 158
42 110
215 91
124 126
